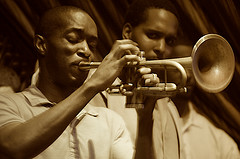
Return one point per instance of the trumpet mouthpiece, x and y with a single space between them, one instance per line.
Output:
88 65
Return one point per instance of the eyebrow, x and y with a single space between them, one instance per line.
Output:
80 31
161 33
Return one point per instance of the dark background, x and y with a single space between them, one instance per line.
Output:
18 19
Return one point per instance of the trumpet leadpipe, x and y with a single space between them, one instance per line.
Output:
161 64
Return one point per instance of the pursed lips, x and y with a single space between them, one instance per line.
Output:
77 64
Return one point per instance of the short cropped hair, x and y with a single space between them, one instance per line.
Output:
136 13
51 19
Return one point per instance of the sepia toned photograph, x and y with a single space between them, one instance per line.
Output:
119 79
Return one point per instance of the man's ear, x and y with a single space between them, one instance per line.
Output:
40 44
127 31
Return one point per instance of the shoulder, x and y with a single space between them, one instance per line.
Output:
17 97
14 100
11 98
227 146
10 108
224 141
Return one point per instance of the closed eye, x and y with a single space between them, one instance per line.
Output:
73 38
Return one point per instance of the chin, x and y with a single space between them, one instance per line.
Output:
73 81
77 82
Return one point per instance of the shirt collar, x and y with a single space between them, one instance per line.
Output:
90 110
193 118
36 98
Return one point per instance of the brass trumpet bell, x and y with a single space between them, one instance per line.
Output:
213 63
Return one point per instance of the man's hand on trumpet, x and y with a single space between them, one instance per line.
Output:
151 80
122 52
148 78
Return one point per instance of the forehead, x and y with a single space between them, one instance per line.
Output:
161 19
77 20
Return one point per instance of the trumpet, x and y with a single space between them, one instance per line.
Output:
212 63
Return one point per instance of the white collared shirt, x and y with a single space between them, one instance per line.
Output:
95 133
202 140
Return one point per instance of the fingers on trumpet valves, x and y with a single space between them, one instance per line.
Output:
135 52
133 55
141 54
128 52
130 58
129 55
124 47
144 70
126 89
151 79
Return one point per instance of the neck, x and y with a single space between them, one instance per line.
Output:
182 105
51 90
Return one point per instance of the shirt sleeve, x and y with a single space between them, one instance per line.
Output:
8 110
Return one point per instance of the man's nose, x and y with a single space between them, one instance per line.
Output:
160 48
84 49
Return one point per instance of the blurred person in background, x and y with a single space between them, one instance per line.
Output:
201 138
9 80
